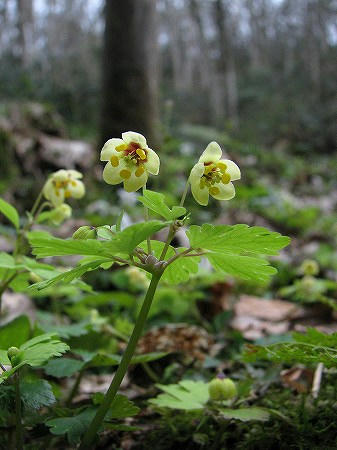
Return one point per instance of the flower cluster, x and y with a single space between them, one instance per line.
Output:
60 186
129 161
213 176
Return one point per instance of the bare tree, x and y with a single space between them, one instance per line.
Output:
25 14
129 68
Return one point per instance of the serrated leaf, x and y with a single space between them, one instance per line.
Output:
63 367
44 245
187 395
292 352
128 239
14 333
236 239
36 393
36 352
10 212
245 414
156 203
245 267
120 408
7 261
74 427
68 276
315 337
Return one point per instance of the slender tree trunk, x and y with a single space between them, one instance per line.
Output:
26 30
130 69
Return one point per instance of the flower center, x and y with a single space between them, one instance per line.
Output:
214 173
133 153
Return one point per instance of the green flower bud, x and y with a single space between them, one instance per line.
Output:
222 389
13 355
85 232
309 267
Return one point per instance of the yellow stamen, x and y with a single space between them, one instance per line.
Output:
67 194
74 183
140 152
139 172
226 178
222 166
114 161
121 147
208 169
125 174
214 190
57 193
202 183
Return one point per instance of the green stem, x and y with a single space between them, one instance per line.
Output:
169 238
183 197
146 214
36 204
124 364
18 414
75 387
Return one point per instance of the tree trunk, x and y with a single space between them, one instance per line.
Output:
130 69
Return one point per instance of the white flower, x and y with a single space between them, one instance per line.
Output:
63 184
213 176
129 161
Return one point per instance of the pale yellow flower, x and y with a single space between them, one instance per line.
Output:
60 213
213 176
129 161
63 184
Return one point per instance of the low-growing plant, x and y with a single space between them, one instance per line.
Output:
235 250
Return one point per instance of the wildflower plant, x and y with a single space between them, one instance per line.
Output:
234 250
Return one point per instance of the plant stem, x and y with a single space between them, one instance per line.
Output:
75 387
183 197
19 431
146 214
168 241
123 366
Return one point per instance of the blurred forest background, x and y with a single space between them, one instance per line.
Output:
263 71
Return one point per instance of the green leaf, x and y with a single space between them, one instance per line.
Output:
236 239
7 261
14 333
245 414
63 367
44 245
292 352
148 357
10 212
36 393
74 427
245 267
121 407
186 395
156 202
68 276
128 239
36 352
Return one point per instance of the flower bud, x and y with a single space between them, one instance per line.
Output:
13 353
309 267
85 232
222 389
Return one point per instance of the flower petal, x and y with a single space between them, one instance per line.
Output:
152 164
74 174
134 183
212 153
109 148
196 173
54 195
132 136
232 169
76 189
111 175
226 191
200 195
60 175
